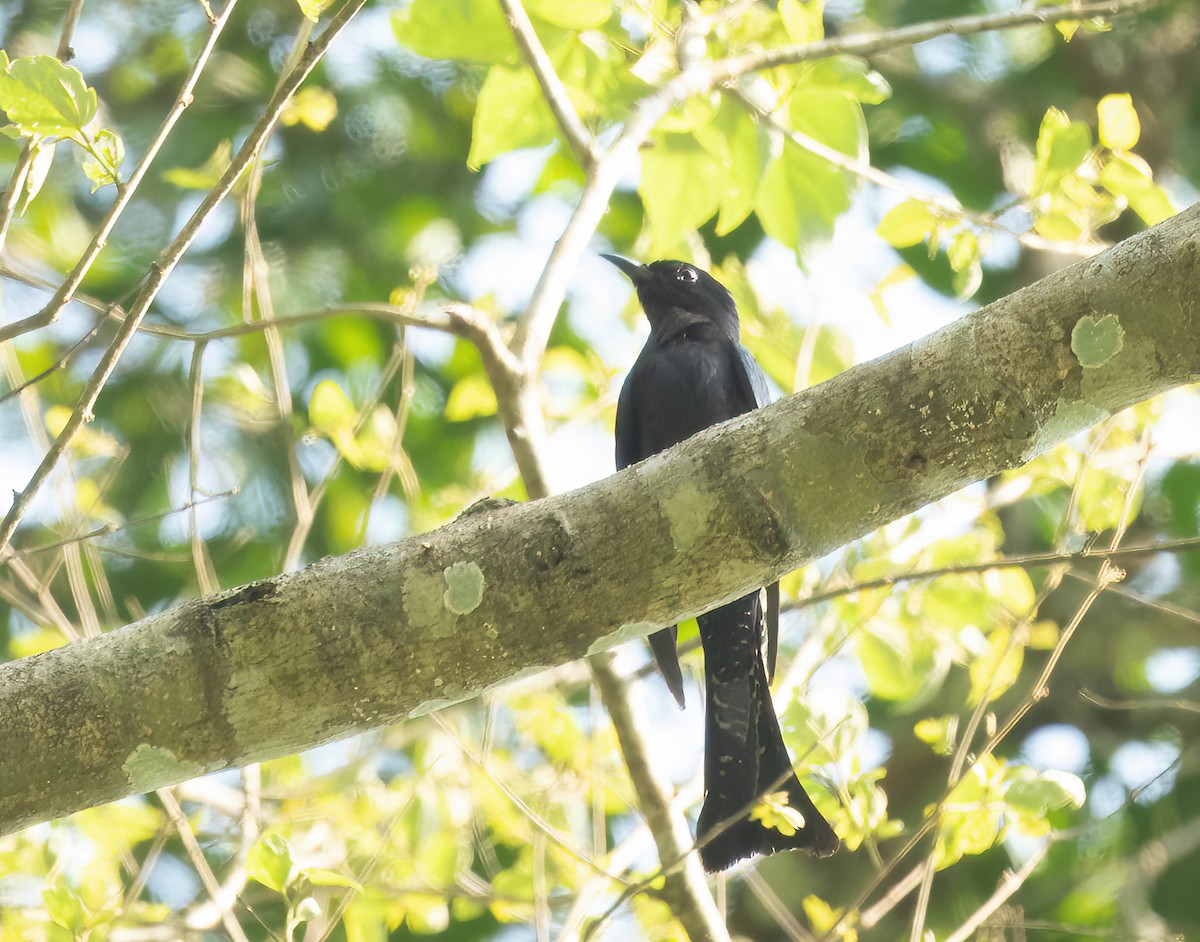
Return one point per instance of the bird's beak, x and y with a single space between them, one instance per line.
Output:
635 272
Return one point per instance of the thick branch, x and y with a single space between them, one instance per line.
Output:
395 631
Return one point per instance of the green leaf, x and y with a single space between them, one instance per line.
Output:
1128 176
571 14
207 174
1057 227
270 862
799 197
899 665
1119 127
940 732
509 113
1043 792
313 107
65 908
743 167
329 409
910 223
104 159
803 19
1062 145
39 169
998 669
774 812
833 118
966 262
312 9
680 186
470 398
469 30
318 876
849 76
45 98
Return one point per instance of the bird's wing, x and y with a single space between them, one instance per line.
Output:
754 378
755 387
626 430
628 451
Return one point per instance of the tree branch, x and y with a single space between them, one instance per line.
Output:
553 90
533 330
125 191
395 631
165 264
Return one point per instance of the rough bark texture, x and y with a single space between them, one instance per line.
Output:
395 631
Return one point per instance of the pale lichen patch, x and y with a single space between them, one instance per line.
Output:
424 602
150 767
1070 417
1096 339
464 587
687 509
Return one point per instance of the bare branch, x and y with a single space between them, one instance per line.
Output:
125 191
1009 884
166 263
577 136
866 44
684 886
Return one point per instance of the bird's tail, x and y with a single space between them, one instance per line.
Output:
744 754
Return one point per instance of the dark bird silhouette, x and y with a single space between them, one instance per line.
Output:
692 373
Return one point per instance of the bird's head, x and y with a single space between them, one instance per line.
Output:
669 290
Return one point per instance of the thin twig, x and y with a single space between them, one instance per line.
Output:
1024 561
169 258
533 330
1009 884
196 855
553 90
866 44
125 191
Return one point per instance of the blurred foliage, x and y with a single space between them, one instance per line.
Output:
420 163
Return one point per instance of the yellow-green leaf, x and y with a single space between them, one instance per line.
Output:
1119 126
207 174
45 98
680 186
470 398
312 9
470 30
909 223
329 409
313 107
509 113
270 862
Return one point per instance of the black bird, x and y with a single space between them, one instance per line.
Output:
692 373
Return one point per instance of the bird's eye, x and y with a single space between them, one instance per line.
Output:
685 274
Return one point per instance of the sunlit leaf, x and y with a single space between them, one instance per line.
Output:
270 862
571 14
312 9
680 186
45 98
472 30
207 174
510 113
803 19
1062 145
909 223
1119 127
104 159
470 398
313 107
